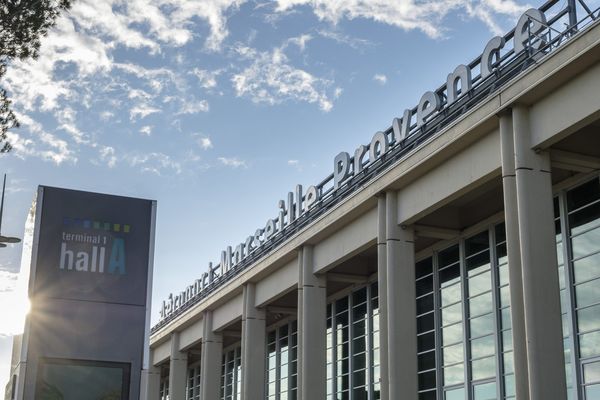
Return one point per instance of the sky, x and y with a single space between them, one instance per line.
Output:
218 108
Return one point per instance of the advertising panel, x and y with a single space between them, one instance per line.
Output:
86 335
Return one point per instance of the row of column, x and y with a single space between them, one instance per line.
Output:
533 267
534 296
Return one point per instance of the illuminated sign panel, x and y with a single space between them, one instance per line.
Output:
87 334
93 247
502 58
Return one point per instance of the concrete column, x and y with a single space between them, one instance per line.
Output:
177 370
312 307
402 305
541 291
210 360
253 346
515 276
383 297
153 383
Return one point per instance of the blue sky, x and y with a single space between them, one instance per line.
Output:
218 108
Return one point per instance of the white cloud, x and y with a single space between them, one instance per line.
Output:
300 41
155 163
67 119
353 42
106 115
107 154
271 79
193 107
146 130
205 143
380 78
425 15
43 144
142 111
208 79
167 21
296 164
233 162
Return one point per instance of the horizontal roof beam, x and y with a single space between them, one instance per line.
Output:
347 278
436 232
571 161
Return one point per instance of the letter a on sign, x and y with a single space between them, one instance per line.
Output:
117 257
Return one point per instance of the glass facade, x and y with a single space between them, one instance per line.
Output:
463 320
464 332
353 346
231 374
193 383
282 362
164 389
578 246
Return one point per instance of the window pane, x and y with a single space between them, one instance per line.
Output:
453 354
427 380
589 344
584 219
507 340
477 243
484 368
424 286
586 243
425 304
452 334
426 341
587 268
481 326
509 363
448 256
424 267
480 283
427 361
481 304
425 323
454 374
482 347
509 385
478 263
591 372
587 293
592 392
452 314
486 391
500 232
583 194
588 319
455 394
449 275
451 294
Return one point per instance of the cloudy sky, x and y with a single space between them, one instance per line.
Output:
217 108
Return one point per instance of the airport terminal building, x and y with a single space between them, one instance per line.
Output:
455 255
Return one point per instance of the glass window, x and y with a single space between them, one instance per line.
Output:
193 384
231 375
470 301
353 342
485 391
